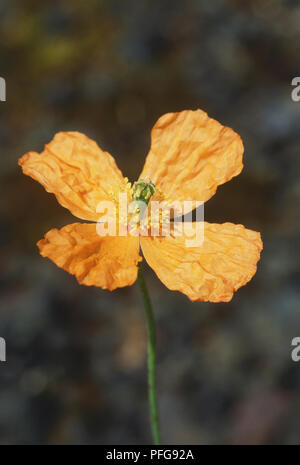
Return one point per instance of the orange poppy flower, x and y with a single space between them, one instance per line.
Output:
190 156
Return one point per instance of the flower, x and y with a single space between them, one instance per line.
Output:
190 156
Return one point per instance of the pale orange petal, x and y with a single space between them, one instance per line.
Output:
191 155
106 262
225 261
76 170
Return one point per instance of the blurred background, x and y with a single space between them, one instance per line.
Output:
76 356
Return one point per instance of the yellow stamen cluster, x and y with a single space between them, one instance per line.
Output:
139 220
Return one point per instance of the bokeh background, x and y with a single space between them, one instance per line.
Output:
76 356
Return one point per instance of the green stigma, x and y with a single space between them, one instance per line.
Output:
143 190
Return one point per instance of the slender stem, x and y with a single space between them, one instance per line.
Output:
151 358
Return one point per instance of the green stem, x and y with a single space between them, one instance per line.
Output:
151 358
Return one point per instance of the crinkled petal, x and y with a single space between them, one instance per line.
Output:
77 171
106 262
212 272
191 155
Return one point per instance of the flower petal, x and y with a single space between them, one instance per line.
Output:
106 262
191 155
76 170
225 261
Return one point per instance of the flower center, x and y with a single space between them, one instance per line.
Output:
143 189
135 216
